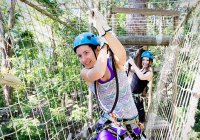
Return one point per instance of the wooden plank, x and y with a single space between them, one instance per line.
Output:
145 40
145 11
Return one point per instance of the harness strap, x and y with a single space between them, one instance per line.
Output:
114 119
129 68
117 85
130 131
126 123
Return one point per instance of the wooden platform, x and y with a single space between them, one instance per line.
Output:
145 11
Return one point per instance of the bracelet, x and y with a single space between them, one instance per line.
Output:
109 30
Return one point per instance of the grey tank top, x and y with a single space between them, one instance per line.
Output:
106 91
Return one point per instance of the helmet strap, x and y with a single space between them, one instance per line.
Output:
94 53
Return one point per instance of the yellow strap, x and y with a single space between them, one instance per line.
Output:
114 119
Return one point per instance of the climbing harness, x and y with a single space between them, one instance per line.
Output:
126 128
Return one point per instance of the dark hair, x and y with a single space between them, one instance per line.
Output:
93 47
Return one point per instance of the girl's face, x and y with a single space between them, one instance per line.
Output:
86 56
145 62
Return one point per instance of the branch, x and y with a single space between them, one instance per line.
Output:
11 14
1 24
48 14
2 41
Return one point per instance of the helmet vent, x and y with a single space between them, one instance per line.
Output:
89 37
86 39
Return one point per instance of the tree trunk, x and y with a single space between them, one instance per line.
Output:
6 48
44 12
136 23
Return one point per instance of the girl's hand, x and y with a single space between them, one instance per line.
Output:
131 61
99 22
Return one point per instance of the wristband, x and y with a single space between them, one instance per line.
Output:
109 30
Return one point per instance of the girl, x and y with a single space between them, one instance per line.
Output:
140 79
105 76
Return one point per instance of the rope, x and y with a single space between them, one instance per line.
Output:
117 88
172 113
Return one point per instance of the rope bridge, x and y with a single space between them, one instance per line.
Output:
177 95
53 102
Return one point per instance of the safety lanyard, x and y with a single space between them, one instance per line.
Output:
117 86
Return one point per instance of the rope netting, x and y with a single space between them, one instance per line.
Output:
147 24
176 98
53 102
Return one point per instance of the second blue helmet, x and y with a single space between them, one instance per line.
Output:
86 39
147 54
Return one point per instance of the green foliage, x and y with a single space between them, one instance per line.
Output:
26 45
26 127
197 119
52 6
120 2
79 113
59 114
48 71
157 62
186 28
185 77
1 99
164 4
121 30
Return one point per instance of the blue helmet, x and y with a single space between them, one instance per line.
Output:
86 39
147 54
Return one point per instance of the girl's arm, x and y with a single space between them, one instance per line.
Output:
147 76
117 48
103 29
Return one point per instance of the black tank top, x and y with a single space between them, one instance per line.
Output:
137 85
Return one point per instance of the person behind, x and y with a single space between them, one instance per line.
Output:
100 70
140 79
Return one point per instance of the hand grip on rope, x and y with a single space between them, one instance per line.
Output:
114 119
103 42
99 22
